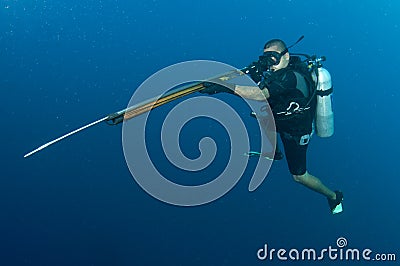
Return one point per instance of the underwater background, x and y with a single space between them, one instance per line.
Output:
67 63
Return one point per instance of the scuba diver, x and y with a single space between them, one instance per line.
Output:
298 93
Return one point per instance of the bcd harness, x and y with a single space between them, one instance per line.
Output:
294 107
287 106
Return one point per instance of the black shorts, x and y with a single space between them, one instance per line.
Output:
296 154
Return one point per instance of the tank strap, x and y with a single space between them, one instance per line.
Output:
325 93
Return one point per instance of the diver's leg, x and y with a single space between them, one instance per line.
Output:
334 198
296 157
315 184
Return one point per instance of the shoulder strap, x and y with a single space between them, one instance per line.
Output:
301 67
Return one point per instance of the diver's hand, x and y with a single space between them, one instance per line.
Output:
254 71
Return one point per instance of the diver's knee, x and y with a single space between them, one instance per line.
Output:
300 178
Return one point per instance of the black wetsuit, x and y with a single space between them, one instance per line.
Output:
288 86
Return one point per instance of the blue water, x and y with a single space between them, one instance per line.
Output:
66 63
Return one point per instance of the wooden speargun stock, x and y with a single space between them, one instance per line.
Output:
145 106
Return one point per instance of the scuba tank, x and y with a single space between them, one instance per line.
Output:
324 119
324 122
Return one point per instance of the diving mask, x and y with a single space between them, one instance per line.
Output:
271 58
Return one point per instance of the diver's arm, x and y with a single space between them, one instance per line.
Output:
252 92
